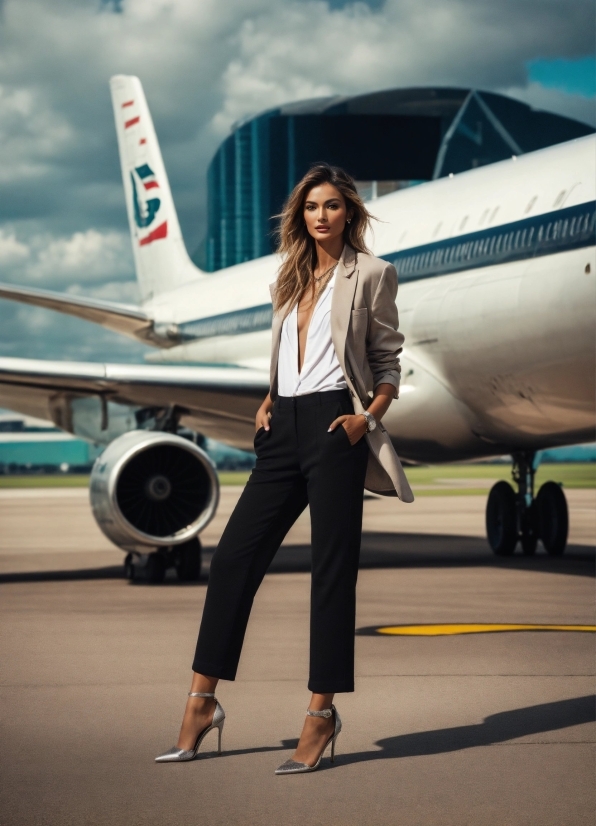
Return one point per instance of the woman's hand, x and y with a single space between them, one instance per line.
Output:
355 426
264 414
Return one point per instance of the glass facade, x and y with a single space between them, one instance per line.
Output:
385 140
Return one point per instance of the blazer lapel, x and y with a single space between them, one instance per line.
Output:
276 325
341 302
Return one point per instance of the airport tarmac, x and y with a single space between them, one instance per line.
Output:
492 728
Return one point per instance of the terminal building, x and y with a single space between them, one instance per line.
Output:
386 140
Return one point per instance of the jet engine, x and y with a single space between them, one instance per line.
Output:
151 494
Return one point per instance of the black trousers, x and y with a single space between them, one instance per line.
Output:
298 463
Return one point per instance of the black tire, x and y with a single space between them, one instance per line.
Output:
129 567
188 561
155 569
501 519
553 518
529 531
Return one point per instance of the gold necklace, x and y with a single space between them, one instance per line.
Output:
318 286
327 272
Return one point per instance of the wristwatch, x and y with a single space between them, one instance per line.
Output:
371 422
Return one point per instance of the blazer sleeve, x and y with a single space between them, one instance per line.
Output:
384 341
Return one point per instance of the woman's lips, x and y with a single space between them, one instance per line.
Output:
322 229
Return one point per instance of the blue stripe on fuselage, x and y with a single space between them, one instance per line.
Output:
558 231
250 320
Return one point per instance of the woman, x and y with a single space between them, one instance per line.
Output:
319 441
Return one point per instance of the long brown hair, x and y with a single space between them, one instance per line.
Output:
295 243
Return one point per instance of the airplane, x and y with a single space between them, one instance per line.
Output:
496 268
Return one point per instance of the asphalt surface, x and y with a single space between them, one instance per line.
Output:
475 729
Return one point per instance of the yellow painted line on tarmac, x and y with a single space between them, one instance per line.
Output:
441 630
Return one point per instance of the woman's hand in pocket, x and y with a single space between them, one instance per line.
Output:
263 415
355 426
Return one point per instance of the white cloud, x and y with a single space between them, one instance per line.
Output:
77 261
89 255
11 250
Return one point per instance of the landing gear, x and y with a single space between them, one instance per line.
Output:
151 568
552 518
513 517
501 522
187 560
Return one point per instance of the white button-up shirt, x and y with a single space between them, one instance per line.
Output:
321 370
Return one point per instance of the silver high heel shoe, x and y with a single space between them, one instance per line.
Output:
292 767
175 755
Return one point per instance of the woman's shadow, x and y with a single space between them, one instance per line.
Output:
497 728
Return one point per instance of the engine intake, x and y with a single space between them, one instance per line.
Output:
150 490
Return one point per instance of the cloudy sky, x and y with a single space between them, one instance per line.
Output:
204 64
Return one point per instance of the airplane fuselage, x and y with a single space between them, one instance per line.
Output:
497 271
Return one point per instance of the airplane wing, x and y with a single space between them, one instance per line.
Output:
219 402
128 321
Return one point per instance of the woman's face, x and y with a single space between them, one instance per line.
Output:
325 212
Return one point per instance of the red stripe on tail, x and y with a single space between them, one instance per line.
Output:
160 232
151 185
131 122
128 103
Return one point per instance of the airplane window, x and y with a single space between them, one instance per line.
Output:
531 203
540 233
564 228
559 197
522 242
548 235
494 215
498 246
530 235
572 227
463 223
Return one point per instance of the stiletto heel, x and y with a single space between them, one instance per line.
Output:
293 767
176 755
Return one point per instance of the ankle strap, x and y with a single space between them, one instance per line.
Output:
199 694
326 712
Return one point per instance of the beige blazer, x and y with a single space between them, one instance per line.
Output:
364 330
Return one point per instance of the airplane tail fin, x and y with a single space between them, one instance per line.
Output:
161 260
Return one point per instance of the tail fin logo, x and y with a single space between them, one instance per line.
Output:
146 208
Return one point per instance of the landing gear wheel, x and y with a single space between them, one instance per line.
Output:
529 531
552 517
129 567
501 519
155 569
188 561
